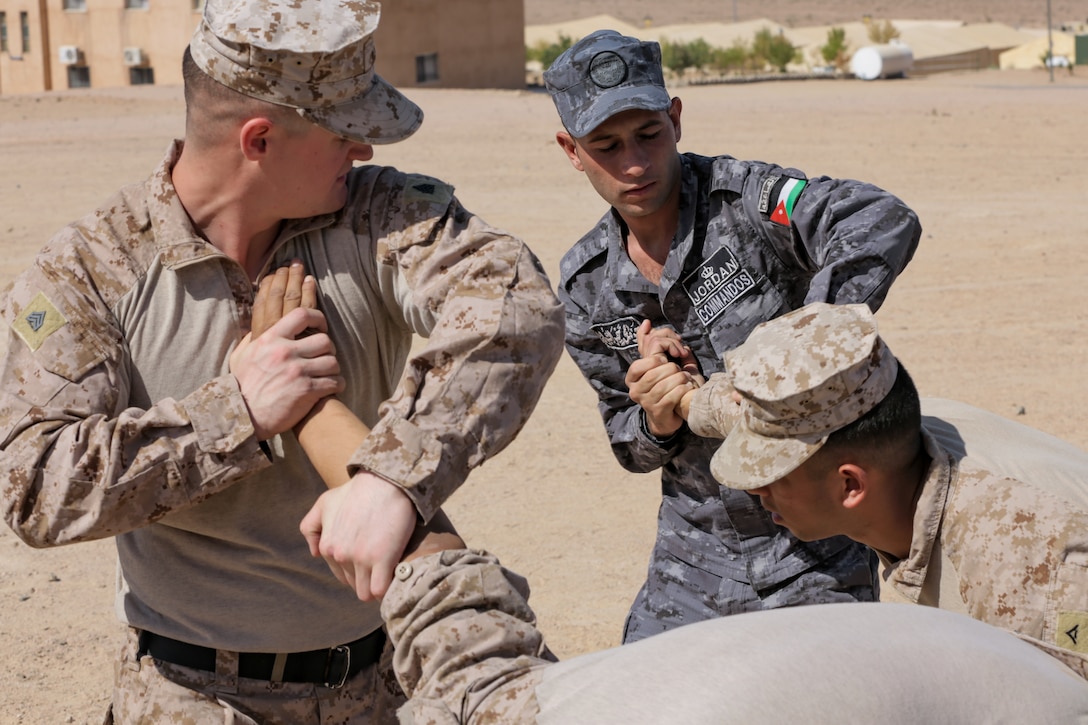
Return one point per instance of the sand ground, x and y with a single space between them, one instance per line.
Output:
804 13
992 310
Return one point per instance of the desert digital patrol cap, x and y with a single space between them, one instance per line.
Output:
603 74
316 57
801 377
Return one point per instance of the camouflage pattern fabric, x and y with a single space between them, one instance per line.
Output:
1016 553
801 377
730 268
317 57
713 411
603 74
468 651
676 593
118 416
466 643
152 692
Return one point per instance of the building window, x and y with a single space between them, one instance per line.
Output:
24 25
3 32
426 68
141 76
136 4
79 76
77 5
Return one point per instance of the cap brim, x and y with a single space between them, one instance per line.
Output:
617 100
381 115
747 460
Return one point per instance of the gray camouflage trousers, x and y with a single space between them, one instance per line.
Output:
151 692
677 593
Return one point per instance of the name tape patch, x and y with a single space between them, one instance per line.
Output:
621 334
765 193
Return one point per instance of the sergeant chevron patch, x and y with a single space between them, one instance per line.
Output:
39 319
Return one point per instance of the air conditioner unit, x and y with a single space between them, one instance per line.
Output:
69 55
134 56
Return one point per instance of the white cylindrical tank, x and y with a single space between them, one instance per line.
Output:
881 61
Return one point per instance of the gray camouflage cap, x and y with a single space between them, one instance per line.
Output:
603 74
316 57
801 377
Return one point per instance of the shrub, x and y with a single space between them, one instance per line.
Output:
546 52
834 52
735 57
678 56
882 32
774 50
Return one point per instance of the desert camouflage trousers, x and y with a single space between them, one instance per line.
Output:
152 692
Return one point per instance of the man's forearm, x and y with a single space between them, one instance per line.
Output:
465 637
329 435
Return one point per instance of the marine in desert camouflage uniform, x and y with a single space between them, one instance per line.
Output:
468 651
709 247
968 511
124 414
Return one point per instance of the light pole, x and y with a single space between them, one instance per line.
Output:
1050 43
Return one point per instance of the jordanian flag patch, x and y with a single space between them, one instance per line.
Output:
780 198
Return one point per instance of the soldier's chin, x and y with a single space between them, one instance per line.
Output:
799 535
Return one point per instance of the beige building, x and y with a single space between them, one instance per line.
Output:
56 44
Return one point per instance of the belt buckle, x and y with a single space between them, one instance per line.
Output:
330 681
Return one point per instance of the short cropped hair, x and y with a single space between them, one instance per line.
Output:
889 434
210 106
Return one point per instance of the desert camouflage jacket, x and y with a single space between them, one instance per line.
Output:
737 260
466 645
119 416
1015 553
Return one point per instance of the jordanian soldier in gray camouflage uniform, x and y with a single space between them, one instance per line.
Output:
968 511
709 247
125 415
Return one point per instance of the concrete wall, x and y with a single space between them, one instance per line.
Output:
29 69
479 43
101 30
475 43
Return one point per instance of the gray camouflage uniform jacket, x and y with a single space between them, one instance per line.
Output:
730 268
119 416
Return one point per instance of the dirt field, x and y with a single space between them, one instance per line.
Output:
992 310
803 13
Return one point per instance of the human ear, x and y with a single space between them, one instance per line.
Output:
854 482
674 115
570 148
253 138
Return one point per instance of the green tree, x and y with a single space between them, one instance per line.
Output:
546 52
735 57
774 49
678 56
834 51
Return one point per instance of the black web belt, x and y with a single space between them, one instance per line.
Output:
329 667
